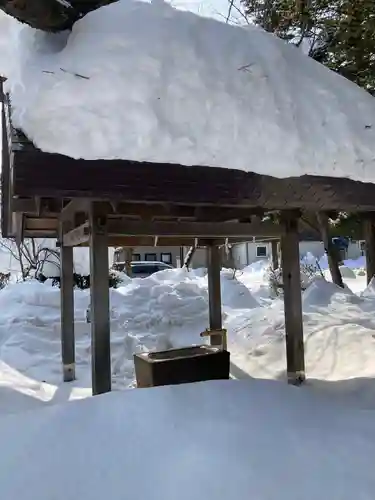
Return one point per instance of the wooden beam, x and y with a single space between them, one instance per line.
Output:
100 321
77 236
5 174
149 241
369 231
290 259
146 211
67 313
178 231
47 223
41 233
48 207
214 292
72 208
193 229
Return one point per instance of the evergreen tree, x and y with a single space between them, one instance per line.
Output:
337 33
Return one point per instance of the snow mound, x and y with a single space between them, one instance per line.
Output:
170 309
321 293
235 294
347 272
370 289
189 90
256 267
146 314
219 439
157 303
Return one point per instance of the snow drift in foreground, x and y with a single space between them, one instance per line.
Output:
213 440
144 81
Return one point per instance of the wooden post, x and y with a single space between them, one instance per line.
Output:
369 230
275 255
100 321
290 261
67 313
214 292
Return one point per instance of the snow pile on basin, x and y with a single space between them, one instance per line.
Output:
213 440
190 90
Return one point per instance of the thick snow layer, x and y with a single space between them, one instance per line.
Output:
144 81
212 440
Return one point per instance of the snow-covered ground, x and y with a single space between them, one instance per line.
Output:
170 308
217 440
144 81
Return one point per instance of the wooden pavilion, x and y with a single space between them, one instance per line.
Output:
106 203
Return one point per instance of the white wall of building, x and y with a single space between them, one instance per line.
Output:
247 253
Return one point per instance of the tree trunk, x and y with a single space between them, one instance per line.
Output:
189 256
128 253
50 15
332 253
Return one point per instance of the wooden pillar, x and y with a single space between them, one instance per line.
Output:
369 230
67 313
214 291
290 261
100 321
275 255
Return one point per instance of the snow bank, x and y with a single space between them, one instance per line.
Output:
222 439
320 294
190 90
347 272
170 309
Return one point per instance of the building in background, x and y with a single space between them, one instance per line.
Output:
247 253
170 255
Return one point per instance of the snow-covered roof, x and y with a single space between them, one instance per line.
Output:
144 81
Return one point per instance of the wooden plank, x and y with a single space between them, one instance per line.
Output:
47 223
369 231
214 292
290 259
67 314
120 228
136 182
41 233
192 229
72 208
77 236
100 321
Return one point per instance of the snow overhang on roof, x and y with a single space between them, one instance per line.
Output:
145 82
